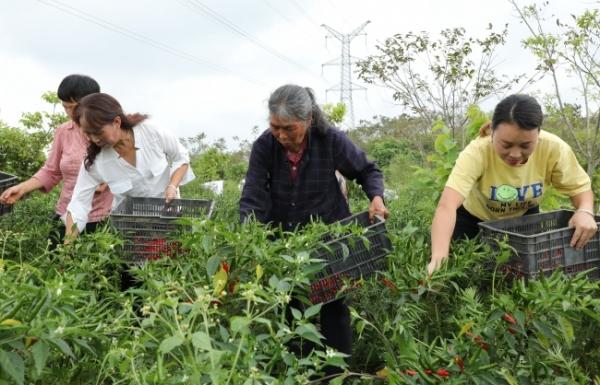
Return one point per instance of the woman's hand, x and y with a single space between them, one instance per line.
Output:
434 265
585 228
11 195
71 230
170 193
102 187
377 208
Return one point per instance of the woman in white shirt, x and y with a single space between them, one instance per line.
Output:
130 155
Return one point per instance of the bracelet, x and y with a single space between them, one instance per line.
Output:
587 211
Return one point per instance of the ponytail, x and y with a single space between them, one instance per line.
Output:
318 117
485 129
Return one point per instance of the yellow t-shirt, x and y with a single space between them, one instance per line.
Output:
495 190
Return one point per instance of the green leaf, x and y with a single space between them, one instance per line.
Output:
309 332
273 281
239 324
40 351
12 364
170 343
201 340
283 286
339 380
207 244
212 265
496 315
509 378
62 346
544 329
345 250
567 330
311 311
296 313
223 333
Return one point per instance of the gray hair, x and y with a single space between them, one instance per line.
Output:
297 103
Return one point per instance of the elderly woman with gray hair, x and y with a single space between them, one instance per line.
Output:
291 180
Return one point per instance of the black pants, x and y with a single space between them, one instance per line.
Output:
466 223
335 327
57 236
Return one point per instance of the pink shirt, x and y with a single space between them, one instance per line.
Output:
64 161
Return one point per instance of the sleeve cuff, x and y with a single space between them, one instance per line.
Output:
45 180
79 215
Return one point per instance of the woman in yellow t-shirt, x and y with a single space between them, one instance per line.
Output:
504 173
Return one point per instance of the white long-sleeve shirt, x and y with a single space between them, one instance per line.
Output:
158 155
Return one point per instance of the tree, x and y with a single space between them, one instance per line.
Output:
43 122
21 153
335 112
439 79
572 49
404 127
22 149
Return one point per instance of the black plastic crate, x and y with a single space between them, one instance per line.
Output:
146 223
541 244
349 258
6 181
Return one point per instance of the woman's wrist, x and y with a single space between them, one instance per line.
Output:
172 186
438 257
588 211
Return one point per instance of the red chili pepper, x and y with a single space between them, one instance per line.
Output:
461 364
232 285
428 372
478 340
410 372
389 284
443 372
225 266
511 331
508 318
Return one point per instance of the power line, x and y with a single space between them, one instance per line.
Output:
341 14
289 20
142 39
303 11
197 5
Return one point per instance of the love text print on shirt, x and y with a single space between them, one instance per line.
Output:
506 198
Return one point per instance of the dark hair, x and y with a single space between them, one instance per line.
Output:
297 103
74 87
522 110
99 110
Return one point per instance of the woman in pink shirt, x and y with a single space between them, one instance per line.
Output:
67 152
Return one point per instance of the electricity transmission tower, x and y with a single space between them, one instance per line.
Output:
345 86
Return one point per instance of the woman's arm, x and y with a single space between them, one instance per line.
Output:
176 177
45 178
13 194
81 202
352 162
442 227
255 199
583 220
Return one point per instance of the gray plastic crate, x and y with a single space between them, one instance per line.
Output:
146 223
6 181
541 244
362 260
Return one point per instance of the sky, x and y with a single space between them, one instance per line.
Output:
209 66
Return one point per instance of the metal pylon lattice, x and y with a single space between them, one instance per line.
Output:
345 61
